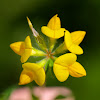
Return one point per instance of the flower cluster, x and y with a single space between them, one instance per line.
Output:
63 66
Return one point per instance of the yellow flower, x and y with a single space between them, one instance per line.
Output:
73 40
66 65
32 71
25 49
53 29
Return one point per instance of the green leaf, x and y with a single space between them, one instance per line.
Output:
5 95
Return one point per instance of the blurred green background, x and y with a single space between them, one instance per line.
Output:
75 15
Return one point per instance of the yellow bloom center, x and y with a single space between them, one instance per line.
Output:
49 54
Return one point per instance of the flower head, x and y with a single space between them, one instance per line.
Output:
72 41
53 29
63 66
66 65
32 71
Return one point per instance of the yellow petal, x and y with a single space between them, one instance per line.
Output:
38 70
31 66
26 54
40 77
28 44
66 59
74 74
71 46
54 23
53 33
77 70
60 72
75 49
77 36
18 47
26 77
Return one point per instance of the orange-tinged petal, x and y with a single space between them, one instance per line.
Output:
38 70
60 72
53 33
18 47
77 70
28 44
26 77
77 36
66 59
54 23
75 74
27 53
71 46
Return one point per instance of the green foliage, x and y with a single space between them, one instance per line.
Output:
60 97
35 98
63 97
5 95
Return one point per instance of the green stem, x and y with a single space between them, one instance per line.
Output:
61 49
36 52
52 44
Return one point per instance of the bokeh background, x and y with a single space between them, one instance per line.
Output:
75 15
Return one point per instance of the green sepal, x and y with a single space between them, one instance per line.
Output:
50 62
40 41
36 52
60 49
46 65
52 43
